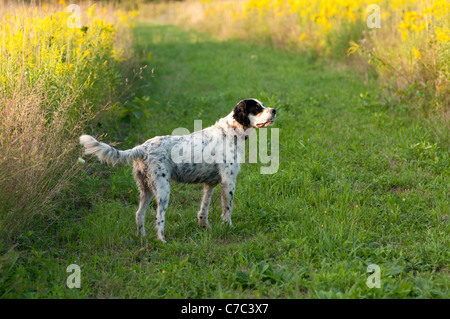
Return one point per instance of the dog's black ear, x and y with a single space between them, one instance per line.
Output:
240 114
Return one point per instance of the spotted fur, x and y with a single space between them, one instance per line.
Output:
155 162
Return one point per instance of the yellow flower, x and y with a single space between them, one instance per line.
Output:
442 36
417 54
91 11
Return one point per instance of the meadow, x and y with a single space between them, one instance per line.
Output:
405 42
363 179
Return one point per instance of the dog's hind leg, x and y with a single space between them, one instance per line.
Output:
144 200
204 207
162 194
145 197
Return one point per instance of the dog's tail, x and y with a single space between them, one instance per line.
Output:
109 154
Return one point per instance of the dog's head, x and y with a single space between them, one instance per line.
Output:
251 113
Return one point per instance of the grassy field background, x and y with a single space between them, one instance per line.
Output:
362 180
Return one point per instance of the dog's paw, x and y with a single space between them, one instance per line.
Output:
160 237
203 222
227 221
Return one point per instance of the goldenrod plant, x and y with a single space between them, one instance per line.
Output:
60 66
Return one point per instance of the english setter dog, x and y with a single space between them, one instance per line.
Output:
159 160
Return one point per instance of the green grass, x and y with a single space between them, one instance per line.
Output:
379 169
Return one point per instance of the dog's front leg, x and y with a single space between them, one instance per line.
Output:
227 200
204 208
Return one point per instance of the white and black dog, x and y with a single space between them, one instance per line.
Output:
158 160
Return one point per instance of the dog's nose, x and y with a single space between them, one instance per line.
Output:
274 111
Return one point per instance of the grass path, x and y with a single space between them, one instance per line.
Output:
360 182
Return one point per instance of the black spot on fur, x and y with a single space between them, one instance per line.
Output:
240 114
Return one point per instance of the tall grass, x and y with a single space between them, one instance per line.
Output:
410 51
54 82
